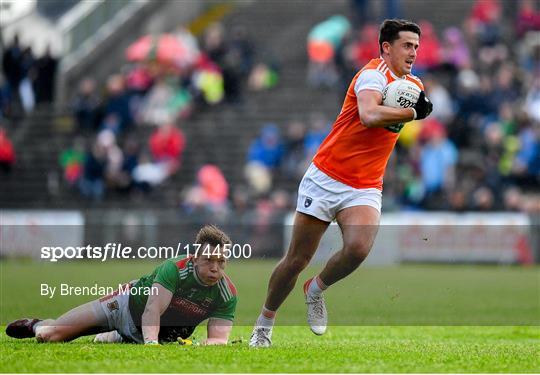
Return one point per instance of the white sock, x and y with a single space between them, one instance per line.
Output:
36 326
316 286
266 321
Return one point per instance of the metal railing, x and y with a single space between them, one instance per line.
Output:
90 22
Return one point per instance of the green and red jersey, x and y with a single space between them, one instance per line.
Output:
192 300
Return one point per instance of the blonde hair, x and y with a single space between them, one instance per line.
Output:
212 235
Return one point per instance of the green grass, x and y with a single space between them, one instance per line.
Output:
412 318
343 349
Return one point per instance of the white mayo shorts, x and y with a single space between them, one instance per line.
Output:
116 309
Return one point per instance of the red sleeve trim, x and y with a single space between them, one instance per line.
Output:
230 284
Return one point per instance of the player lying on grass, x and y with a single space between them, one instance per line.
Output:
189 291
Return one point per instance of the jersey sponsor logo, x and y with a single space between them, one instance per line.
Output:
207 302
396 128
187 307
308 202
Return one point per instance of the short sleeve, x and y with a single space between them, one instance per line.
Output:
370 79
226 310
167 275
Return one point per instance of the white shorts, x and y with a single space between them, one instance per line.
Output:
116 309
321 196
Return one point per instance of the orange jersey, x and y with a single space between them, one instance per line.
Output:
352 153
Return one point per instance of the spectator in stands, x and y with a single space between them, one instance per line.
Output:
265 154
72 161
294 156
167 144
532 100
319 128
323 41
86 106
454 50
154 109
148 174
26 88
483 199
528 17
473 101
139 80
267 149
214 42
214 186
393 9
438 158
5 98
208 82
443 107
209 194
258 177
367 45
111 122
118 102
232 75
457 200
167 100
106 139
526 168
236 64
12 62
92 183
46 67
7 152
505 87
430 56
242 45
512 199
362 12
130 161
484 22
262 77
530 57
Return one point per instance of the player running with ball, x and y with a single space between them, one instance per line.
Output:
189 291
344 181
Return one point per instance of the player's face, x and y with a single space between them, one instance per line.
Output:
210 269
402 52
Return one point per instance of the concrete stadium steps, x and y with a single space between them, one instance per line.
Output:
221 134
225 132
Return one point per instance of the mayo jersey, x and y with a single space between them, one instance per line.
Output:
192 301
352 153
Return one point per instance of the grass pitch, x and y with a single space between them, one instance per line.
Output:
401 319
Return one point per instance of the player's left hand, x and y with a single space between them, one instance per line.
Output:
423 107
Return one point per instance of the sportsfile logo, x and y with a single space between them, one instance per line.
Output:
119 251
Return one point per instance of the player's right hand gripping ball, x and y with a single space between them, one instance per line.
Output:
423 106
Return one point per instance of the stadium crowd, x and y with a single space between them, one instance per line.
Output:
27 80
480 149
155 88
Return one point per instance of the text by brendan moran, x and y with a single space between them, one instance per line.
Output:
95 290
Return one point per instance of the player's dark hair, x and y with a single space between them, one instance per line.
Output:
390 30
212 235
